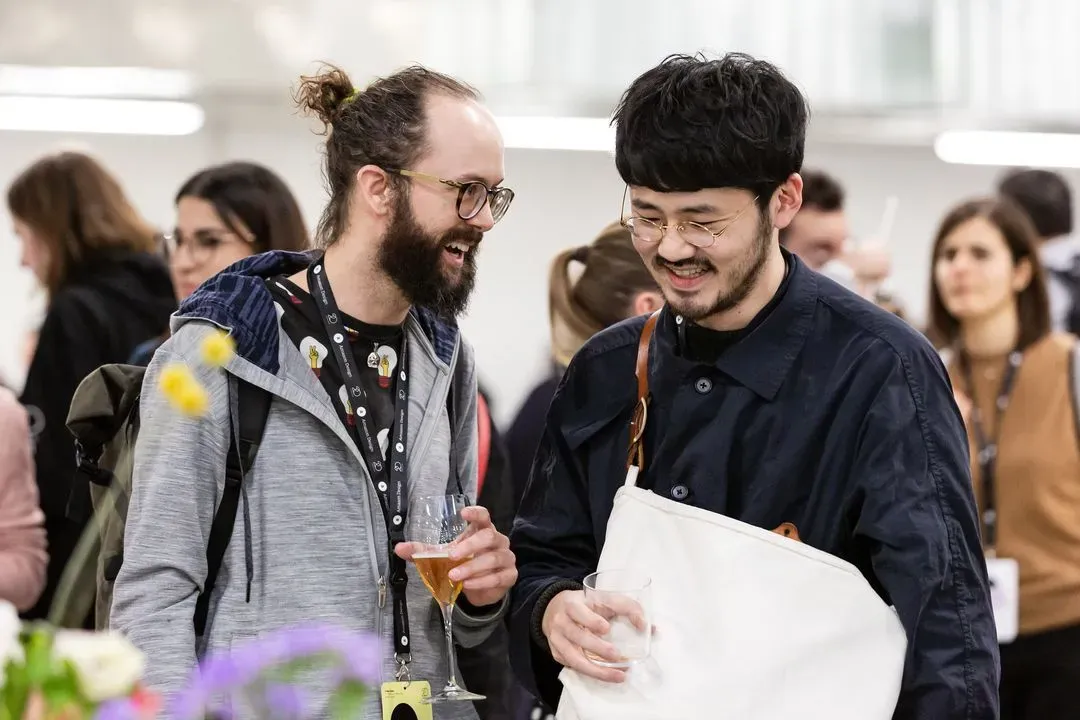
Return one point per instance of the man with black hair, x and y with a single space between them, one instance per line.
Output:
1046 198
771 396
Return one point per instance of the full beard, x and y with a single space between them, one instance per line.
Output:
739 280
413 259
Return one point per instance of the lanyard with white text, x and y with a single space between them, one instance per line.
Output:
390 482
987 447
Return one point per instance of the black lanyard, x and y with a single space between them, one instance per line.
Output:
390 483
987 447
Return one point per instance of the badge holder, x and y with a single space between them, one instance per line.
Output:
405 699
1004 574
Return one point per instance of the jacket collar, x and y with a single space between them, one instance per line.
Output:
762 360
236 299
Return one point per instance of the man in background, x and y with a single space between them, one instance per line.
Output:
1046 198
819 234
819 231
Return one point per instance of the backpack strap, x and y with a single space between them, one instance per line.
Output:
483 421
253 407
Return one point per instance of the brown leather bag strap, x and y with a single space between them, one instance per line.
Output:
636 453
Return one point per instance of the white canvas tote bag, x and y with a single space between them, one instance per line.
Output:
750 625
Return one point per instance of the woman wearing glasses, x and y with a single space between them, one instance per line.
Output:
107 292
224 214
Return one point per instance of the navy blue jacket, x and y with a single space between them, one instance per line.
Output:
825 412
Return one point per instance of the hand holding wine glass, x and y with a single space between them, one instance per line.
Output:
455 547
484 567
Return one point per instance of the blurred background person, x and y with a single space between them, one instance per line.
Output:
612 285
226 213
1012 375
820 235
820 230
22 530
107 292
1047 200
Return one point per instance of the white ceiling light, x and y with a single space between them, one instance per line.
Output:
95 82
94 115
558 133
1026 149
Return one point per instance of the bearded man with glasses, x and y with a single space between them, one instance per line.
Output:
368 401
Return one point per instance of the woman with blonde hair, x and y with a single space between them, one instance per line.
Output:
613 285
107 292
1017 391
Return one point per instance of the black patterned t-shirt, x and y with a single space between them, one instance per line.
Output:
376 349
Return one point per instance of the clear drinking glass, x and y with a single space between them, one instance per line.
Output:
435 523
624 599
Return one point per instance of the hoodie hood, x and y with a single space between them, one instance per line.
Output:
138 282
236 299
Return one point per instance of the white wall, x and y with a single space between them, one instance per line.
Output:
563 198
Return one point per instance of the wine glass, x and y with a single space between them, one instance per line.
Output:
435 523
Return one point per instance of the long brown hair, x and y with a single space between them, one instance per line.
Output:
76 207
603 294
1033 302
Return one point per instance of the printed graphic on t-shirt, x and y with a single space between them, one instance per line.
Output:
376 349
315 353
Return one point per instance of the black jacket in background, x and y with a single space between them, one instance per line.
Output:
525 432
109 304
826 412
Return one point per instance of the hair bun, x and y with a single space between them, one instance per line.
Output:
325 94
580 254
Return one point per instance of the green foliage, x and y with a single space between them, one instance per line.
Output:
40 672
348 702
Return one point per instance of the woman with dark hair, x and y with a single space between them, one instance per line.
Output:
224 214
107 292
1015 387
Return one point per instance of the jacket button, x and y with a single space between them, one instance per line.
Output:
703 385
679 492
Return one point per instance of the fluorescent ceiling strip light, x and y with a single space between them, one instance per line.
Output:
558 133
95 82
1026 149
90 115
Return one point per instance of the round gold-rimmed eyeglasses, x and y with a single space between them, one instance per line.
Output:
648 231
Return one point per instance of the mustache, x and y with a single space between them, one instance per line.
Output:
470 236
687 264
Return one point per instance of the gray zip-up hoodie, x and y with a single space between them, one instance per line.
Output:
314 545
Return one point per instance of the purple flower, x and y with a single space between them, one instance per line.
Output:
286 701
362 656
121 709
354 655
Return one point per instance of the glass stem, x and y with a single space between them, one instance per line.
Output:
451 656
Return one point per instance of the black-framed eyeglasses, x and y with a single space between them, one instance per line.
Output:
648 231
472 195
